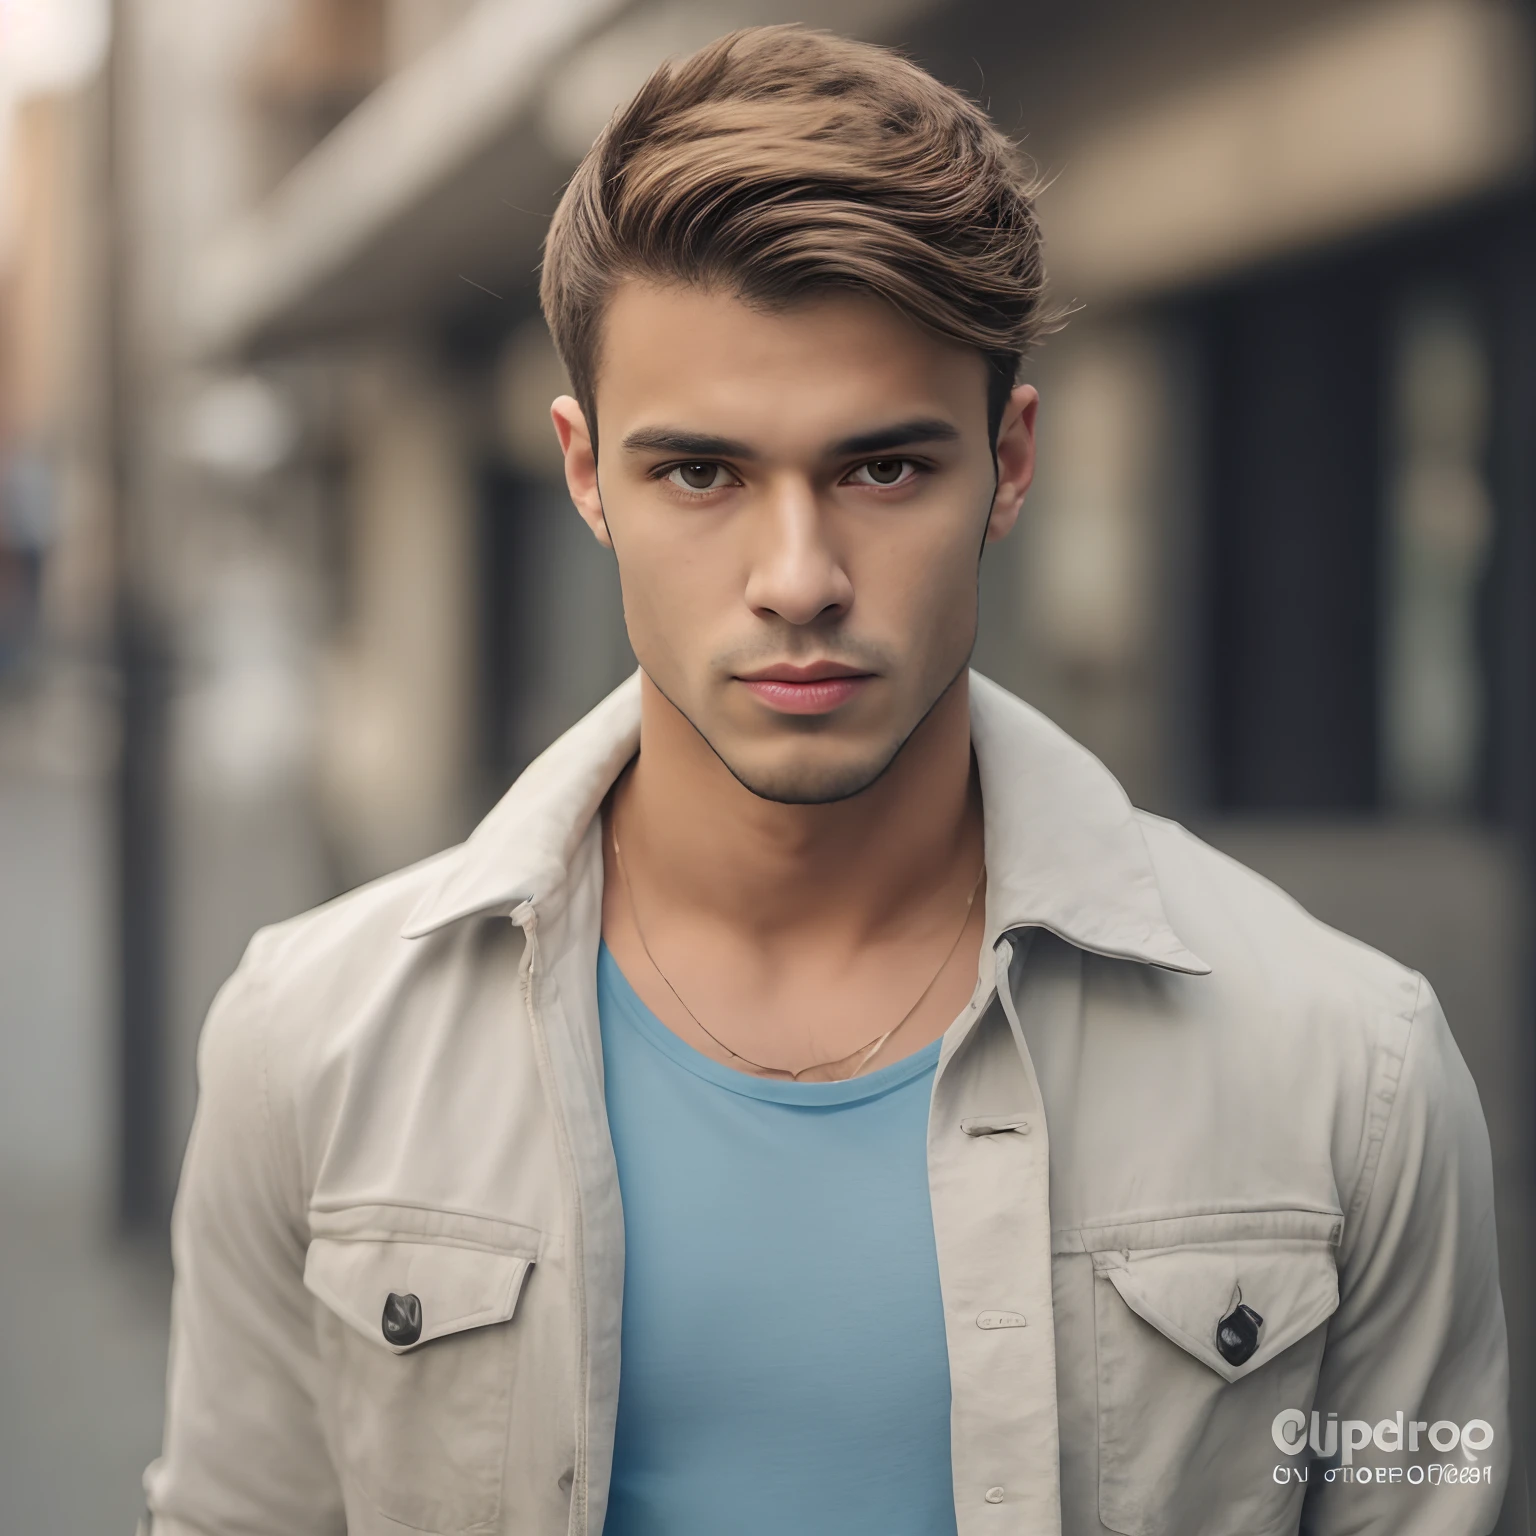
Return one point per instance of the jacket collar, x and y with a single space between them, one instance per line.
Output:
1064 848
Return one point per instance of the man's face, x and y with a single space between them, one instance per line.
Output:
797 501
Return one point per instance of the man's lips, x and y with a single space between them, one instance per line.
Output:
814 689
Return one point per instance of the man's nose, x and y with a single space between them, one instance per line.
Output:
796 574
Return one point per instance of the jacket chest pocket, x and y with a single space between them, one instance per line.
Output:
1185 1405
418 1353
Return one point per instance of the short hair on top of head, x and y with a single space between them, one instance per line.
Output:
780 163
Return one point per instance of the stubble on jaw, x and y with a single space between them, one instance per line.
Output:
821 786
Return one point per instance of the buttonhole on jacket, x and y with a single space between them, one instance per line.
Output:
992 1125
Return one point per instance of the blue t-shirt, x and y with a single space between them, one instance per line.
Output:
784 1366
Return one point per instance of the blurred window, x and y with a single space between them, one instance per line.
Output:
26 533
1355 618
1292 422
1438 534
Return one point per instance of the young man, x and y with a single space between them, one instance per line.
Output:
813 1100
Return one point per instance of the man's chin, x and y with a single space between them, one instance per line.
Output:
809 783
813 766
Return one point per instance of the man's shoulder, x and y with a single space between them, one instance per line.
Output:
305 978
377 1061
365 923
1265 947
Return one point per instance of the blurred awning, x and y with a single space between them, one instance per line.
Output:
441 181
1379 112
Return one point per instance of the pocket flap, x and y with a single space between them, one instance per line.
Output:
457 1287
1185 1292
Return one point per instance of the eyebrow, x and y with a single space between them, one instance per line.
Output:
676 440
703 445
904 434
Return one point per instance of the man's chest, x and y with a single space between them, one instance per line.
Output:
1092 1222
783 1337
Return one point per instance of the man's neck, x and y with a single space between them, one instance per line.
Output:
851 868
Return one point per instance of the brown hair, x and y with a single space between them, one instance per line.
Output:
779 163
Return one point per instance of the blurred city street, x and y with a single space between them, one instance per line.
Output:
82 1367
82 1344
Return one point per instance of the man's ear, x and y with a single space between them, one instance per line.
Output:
580 465
1015 460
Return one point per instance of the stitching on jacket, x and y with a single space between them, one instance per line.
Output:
1382 1096
291 1179
1202 1228
408 1222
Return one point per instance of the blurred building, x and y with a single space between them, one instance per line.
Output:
1279 569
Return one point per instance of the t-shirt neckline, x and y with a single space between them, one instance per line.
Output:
868 1085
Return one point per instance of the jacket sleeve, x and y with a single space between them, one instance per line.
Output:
1420 1326
244 1453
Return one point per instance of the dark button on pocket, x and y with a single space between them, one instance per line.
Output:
402 1319
1237 1334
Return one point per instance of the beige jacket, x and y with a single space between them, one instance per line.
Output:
1170 1083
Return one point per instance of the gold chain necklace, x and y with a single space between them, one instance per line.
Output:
865 1053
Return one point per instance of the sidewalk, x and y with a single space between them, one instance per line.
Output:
84 1321
82 1367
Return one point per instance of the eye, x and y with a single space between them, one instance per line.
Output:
884 472
699 475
